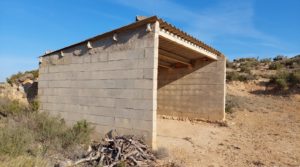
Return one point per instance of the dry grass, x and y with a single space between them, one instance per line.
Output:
32 134
24 161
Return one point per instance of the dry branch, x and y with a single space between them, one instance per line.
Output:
116 150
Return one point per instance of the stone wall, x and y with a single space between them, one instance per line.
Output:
193 93
113 85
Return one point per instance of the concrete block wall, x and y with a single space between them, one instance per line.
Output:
113 85
197 93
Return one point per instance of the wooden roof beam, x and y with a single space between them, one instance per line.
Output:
165 66
165 34
176 60
169 56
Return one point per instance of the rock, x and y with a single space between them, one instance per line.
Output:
12 92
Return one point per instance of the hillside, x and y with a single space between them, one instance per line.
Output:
261 129
279 76
262 120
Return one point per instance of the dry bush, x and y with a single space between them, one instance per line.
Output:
240 60
8 107
275 66
24 161
265 60
236 76
247 66
230 104
26 132
14 79
15 141
283 80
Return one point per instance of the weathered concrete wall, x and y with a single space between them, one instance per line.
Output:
113 85
193 93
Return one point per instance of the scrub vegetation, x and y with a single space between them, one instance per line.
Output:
29 137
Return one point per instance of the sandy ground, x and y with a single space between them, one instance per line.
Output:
263 130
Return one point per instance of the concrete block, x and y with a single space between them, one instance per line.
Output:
146 62
101 102
99 120
43 98
77 59
150 53
148 73
143 84
102 130
87 58
43 84
99 111
44 70
142 125
94 58
125 54
123 123
122 65
102 56
67 59
139 104
134 114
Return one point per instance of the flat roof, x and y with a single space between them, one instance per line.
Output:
163 25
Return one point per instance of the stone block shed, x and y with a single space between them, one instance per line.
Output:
125 78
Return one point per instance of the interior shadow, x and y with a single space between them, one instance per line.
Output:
31 90
167 76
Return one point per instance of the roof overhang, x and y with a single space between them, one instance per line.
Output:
167 32
189 45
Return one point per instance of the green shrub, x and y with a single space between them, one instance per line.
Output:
265 60
15 141
294 78
34 105
247 77
37 132
240 60
79 133
247 66
55 134
35 73
47 128
236 76
284 79
281 83
230 104
293 62
229 108
232 76
279 58
14 79
275 66
12 107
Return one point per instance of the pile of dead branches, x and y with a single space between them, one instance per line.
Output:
116 151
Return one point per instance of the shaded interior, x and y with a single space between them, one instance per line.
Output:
176 65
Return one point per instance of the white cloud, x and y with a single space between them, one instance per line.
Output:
225 18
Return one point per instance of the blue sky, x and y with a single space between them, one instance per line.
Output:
238 28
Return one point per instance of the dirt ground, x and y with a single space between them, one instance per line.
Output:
263 130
